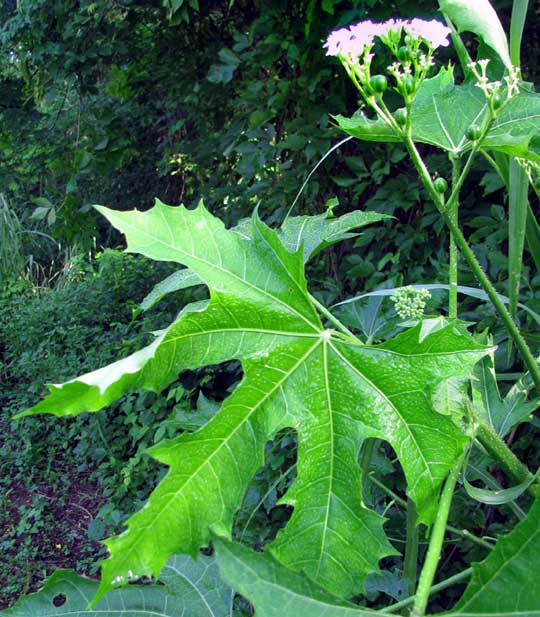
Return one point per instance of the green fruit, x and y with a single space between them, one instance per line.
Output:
401 116
408 84
473 132
441 185
496 100
378 83
404 54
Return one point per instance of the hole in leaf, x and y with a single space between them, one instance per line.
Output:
59 600
259 519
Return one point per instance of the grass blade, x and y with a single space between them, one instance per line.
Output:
519 13
518 190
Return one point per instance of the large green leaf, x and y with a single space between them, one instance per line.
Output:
481 18
506 583
332 390
190 587
435 121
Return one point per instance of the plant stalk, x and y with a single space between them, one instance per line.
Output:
324 311
473 263
435 543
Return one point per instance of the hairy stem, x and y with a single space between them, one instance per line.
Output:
500 452
435 543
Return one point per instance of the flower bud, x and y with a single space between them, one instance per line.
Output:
408 84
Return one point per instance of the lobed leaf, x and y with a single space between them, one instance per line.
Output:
182 279
502 413
332 390
313 233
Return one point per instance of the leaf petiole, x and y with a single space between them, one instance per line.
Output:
333 319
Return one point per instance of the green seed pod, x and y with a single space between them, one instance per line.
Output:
401 116
404 55
378 83
441 185
496 100
409 84
473 132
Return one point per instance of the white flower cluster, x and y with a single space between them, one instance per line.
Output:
351 42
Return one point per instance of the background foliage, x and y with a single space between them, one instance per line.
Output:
116 102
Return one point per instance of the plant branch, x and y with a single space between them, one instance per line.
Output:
435 543
410 563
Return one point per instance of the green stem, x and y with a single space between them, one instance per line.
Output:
435 543
410 564
452 580
474 265
453 251
498 449
463 533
